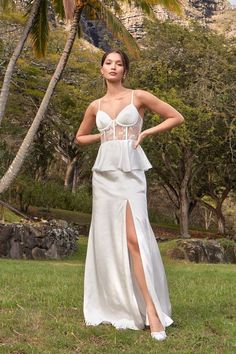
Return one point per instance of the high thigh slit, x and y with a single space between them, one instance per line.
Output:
111 291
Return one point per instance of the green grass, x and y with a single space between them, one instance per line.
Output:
41 310
8 216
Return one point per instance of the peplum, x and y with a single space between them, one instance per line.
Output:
121 155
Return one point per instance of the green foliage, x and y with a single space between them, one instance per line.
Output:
226 243
40 30
6 5
28 192
5 156
59 8
193 70
7 215
35 93
12 17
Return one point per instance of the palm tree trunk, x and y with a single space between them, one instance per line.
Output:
10 68
17 163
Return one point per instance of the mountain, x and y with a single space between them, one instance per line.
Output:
216 14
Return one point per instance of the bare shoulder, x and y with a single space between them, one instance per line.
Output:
93 107
144 97
140 93
143 94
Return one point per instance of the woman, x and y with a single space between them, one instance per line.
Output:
124 281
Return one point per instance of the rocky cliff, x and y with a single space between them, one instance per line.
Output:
217 14
204 11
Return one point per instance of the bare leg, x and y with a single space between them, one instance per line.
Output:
155 324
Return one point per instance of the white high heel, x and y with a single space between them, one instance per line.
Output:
159 335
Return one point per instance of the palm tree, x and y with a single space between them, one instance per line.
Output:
92 7
12 63
37 28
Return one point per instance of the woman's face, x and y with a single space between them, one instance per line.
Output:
113 69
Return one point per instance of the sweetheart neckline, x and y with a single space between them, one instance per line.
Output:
130 104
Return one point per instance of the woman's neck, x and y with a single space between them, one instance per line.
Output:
115 89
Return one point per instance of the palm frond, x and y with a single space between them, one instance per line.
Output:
175 6
146 7
59 8
90 13
40 29
115 26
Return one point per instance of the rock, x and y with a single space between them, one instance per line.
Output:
6 233
15 249
177 253
59 222
230 255
39 253
39 240
52 252
210 251
214 252
84 229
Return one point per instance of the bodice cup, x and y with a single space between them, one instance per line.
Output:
127 117
117 149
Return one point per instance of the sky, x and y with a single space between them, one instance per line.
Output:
232 2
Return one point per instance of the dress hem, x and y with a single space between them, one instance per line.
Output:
125 324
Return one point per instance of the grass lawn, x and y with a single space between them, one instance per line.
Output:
41 310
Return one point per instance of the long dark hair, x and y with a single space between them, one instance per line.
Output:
124 58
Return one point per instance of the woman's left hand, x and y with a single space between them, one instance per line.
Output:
139 140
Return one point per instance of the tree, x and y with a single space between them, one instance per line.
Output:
102 11
10 68
21 155
37 25
218 176
194 70
175 158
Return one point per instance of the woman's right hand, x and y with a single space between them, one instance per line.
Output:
141 136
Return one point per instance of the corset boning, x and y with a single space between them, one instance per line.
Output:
117 149
118 132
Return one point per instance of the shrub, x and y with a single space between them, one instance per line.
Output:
28 192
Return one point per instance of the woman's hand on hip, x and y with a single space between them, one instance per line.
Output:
141 136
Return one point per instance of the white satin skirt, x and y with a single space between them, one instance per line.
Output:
111 292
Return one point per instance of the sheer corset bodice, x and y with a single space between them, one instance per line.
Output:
117 149
126 126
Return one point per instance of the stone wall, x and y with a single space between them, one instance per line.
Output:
207 251
42 240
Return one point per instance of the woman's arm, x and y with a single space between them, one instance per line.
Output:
83 135
172 117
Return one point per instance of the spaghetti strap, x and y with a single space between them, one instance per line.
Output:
99 104
132 97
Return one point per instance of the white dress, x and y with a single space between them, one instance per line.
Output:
111 293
